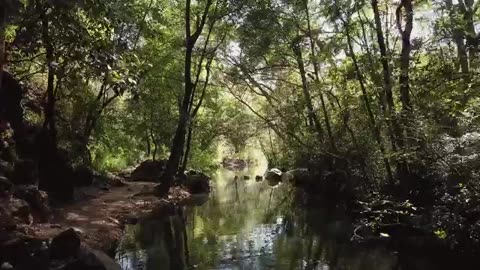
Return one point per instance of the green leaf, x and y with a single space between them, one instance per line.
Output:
441 234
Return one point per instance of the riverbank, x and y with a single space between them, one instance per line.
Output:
99 218
94 223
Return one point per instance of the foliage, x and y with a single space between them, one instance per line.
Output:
385 92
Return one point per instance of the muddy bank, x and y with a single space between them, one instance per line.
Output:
97 220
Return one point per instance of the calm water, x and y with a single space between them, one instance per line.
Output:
248 225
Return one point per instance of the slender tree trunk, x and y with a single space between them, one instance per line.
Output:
50 122
404 79
397 134
148 147
467 8
458 38
387 78
405 7
317 79
371 117
3 25
187 149
155 151
178 144
306 93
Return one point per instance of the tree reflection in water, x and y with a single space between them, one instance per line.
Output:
249 225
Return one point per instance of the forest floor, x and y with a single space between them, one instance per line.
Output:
100 215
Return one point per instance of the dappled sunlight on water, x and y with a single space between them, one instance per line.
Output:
248 225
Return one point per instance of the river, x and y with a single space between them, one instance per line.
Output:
247 224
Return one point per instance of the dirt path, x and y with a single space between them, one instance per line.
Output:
100 217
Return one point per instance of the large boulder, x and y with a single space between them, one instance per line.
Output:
5 186
65 245
149 171
23 253
11 94
300 177
25 172
6 218
37 199
273 176
91 259
6 169
19 211
197 182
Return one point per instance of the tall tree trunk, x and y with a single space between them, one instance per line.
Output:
178 143
346 117
306 93
187 149
468 10
371 117
50 123
387 77
183 121
155 144
3 26
458 38
317 79
148 147
405 33
404 81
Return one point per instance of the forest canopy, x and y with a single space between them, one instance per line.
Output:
385 91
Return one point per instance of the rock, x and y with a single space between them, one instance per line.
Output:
5 186
37 199
83 176
19 210
91 259
6 266
6 219
6 169
11 94
197 182
273 176
24 253
25 172
299 177
149 171
65 245
115 180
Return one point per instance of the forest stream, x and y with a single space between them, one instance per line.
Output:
247 224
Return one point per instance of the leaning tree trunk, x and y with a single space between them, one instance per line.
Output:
306 93
371 116
178 143
49 110
187 149
394 128
458 38
317 80
468 10
405 7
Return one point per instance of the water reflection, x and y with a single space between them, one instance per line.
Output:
249 225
